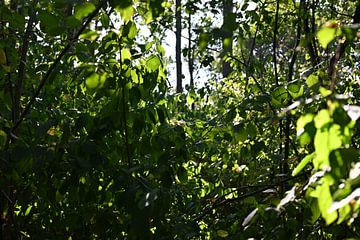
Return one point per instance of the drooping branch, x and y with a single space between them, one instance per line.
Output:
55 64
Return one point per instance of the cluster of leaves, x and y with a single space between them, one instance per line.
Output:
94 145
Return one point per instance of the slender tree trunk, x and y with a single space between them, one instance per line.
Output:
227 35
178 46
190 54
22 64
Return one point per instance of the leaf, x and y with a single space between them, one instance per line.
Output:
296 90
302 122
312 81
84 10
279 96
290 196
355 171
222 233
203 40
125 54
323 195
49 23
322 118
3 139
95 81
326 34
249 217
148 199
353 111
152 63
2 57
28 209
303 163
89 35
126 13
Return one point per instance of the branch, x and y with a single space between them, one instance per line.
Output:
244 196
340 51
55 64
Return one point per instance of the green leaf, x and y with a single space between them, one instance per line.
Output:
72 22
322 118
28 209
326 34
222 233
203 40
280 96
126 13
302 122
3 139
323 195
84 10
125 54
296 90
182 174
49 23
89 35
153 63
312 81
95 81
303 163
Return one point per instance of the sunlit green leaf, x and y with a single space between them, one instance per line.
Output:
153 63
84 10
303 163
126 13
312 80
326 34
296 90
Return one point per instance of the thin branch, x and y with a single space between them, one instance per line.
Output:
55 64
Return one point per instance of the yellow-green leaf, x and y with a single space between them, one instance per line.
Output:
326 34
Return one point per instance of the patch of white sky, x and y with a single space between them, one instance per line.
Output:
201 75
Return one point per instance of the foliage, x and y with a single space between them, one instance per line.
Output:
95 144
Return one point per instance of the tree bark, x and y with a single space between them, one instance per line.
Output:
179 88
227 35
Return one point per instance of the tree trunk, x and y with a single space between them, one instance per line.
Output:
179 88
228 25
190 54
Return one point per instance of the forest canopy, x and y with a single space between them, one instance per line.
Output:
249 129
